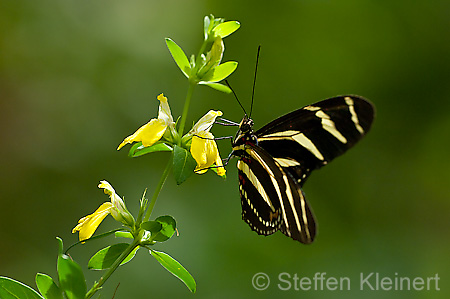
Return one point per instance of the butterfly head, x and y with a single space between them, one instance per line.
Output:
246 125
245 133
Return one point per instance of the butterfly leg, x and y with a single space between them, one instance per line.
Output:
216 138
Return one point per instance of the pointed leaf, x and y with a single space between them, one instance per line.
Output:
220 72
48 288
106 257
13 289
122 234
179 57
217 86
60 245
130 256
139 150
71 278
225 29
175 268
183 164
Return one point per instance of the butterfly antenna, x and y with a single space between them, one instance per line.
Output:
226 81
254 79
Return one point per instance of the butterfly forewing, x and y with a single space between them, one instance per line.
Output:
270 198
308 138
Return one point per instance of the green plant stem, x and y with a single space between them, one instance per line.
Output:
165 174
193 81
186 110
97 286
158 188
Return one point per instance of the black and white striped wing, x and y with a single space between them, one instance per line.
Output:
308 138
271 199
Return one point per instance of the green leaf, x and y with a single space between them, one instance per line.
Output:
169 225
123 234
175 268
225 29
179 57
217 86
71 278
106 257
48 288
93 238
152 226
139 150
13 289
183 164
136 146
220 72
162 228
60 245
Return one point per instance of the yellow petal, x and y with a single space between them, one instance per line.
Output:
214 158
87 225
164 110
119 212
205 123
107 188
204 151
115 199
148 133
220 169
199 148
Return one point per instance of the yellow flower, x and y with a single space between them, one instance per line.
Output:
203 147
152 131
87 225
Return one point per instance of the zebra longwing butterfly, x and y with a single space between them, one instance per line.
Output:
275 161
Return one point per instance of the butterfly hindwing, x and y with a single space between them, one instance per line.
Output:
310 137
271 199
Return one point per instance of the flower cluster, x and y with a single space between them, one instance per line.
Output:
199 140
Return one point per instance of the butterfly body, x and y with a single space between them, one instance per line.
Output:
275 161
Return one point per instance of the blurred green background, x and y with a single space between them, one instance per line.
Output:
76 77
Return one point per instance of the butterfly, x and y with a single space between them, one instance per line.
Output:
276 160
